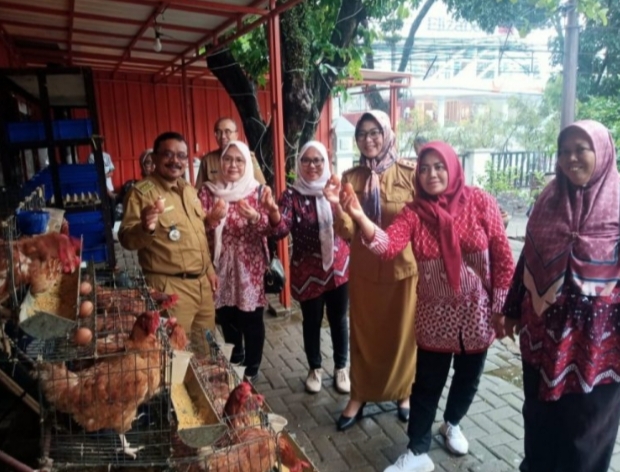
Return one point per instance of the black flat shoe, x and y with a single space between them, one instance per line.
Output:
403 413
345 422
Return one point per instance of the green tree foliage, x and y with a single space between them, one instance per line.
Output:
605 110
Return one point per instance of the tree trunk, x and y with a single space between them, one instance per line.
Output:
242 92
305 87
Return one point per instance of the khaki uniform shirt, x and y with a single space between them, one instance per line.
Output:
397 189
210 168
157 253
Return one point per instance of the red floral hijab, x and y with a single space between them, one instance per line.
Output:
575 230
440 210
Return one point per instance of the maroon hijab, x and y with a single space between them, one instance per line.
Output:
440 210
576 230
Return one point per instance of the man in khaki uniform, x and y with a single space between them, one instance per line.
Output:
170 237
225 131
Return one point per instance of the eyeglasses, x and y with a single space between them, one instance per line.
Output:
579 151
220 132
171 154
238 161
372 134
316 162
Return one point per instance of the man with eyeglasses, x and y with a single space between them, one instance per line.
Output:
164 222
225 131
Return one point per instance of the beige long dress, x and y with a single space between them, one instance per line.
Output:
382 298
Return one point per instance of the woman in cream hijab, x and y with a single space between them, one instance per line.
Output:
320 263
236 226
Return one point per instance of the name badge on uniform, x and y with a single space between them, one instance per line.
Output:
174 234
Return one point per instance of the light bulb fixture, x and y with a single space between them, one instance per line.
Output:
157 43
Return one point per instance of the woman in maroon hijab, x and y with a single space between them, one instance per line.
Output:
465 267
565 296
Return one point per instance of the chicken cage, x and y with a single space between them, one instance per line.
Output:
14 277
104 386
251 446
12 288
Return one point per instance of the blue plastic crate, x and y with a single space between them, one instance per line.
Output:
90 239
72 129
74 179
25 131
77 172
84 218
95 254
73 188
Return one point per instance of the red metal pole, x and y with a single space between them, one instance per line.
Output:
394 107
279 151
191 147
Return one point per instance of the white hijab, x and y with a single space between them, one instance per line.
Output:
232 191
323 208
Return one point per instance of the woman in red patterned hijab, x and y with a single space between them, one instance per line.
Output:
566 297
465 264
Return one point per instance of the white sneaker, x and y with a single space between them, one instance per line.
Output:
341 381
313 382
410 462
455 441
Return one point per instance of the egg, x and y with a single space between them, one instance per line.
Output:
83 336
160 204
85 288
86 308
220 204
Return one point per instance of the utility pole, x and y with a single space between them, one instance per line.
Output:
569 73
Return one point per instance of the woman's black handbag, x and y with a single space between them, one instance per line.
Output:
274 277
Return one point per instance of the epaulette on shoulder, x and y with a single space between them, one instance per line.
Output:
407 163
144 186
350 171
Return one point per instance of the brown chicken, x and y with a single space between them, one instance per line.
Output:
43 249
176 334
43 274
241 402
116 341
107 395
115 323
131 300
254 450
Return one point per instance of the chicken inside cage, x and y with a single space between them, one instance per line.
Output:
107 394
36 261
247 449
217 379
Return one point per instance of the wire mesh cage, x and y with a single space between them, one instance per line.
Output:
12 266
253 446
214 373
104 386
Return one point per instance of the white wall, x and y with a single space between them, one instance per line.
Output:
474 165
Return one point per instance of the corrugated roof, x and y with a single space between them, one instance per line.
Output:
120 34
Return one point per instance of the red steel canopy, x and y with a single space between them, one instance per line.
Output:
120 35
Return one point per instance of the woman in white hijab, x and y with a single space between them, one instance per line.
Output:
237 225
320 262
